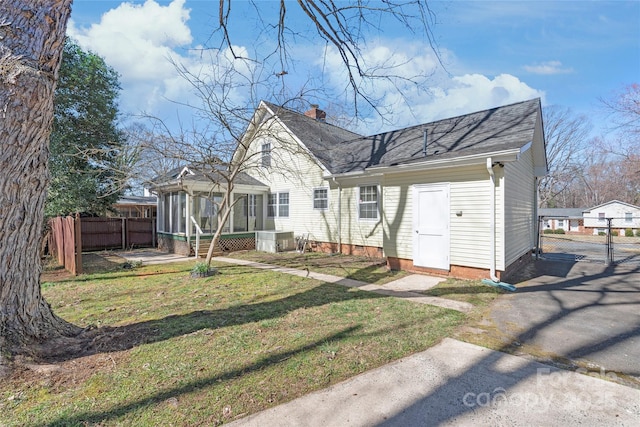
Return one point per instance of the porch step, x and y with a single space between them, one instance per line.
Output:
204 248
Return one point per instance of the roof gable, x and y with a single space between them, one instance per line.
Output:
319 137
613 202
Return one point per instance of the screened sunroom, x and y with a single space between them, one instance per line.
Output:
190 211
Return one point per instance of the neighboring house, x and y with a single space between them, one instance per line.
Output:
623 216
136 207
453 197
568 219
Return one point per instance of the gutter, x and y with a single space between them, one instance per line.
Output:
492 222
339 215
498 156
494 281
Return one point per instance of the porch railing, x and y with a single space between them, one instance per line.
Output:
198 234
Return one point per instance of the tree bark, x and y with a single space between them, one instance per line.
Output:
31 42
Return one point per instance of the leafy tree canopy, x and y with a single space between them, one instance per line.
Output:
85 141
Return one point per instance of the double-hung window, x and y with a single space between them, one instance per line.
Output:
278 205
368 202
272 205
266 155
601 216
320 198
628 217
283 205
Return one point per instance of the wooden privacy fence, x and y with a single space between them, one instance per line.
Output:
71 236
117 233
64 238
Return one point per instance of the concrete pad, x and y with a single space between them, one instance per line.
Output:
414 283
456 383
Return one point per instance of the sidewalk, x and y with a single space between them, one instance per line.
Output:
455 383
405 288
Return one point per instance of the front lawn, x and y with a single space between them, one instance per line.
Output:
171 350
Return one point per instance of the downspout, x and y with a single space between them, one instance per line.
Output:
339 215
492 222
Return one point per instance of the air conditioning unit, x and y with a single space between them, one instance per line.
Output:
275 241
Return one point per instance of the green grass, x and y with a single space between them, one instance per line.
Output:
471 291
206 351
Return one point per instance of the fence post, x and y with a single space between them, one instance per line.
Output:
610 257
77 223
124 234
153 233
538 237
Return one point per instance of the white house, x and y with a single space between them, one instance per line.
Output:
623 216
569 220
453 197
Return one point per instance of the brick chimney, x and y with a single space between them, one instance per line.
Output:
316 113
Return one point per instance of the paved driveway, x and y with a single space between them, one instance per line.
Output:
581 311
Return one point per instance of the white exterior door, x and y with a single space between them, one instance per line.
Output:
431 226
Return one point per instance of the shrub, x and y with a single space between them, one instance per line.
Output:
628 232
550 231
614 232
638 233
601 233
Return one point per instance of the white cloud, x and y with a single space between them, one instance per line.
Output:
138 41
548 68
438 95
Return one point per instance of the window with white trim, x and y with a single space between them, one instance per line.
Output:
278 205
272 205
600 216
368 202
628 217
320 198
283 205
266 155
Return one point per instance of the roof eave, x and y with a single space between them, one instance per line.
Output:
502 156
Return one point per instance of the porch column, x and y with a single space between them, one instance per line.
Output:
231 207
187 219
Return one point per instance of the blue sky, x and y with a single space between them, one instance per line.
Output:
569 53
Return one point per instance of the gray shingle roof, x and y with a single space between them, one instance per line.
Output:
497 129
561 212
207 175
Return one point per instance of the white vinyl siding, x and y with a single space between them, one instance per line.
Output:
293 172
469 232
519 207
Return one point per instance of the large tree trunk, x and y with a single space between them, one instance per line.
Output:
31 40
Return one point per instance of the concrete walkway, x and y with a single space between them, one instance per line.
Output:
455 383
405 288
151 256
